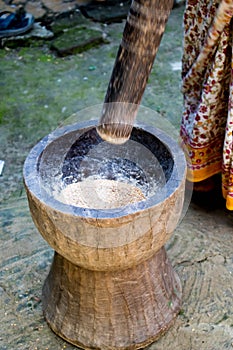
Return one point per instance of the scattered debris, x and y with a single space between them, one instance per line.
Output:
176 65
1 166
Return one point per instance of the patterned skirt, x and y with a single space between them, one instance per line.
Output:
207 86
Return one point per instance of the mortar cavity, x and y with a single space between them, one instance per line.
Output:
143 161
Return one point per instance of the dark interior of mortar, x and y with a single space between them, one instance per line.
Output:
61 165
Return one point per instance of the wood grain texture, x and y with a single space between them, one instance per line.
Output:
112 310
111 285
108 244
142 35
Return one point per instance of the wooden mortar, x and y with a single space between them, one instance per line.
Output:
111 285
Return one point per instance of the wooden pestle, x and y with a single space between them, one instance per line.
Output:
142 34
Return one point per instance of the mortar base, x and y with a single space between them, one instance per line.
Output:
126 309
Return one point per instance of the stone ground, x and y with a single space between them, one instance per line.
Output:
39 92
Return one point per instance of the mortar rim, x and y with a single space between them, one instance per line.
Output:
31 172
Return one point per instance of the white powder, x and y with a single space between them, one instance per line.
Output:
100 194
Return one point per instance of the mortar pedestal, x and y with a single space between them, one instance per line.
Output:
111 285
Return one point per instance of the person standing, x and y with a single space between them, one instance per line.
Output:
207 86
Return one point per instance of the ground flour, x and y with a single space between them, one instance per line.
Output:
100 194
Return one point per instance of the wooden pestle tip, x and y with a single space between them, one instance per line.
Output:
115 134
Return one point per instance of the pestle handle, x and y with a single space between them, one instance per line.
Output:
142 35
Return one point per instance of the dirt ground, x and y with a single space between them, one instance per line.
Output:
39 91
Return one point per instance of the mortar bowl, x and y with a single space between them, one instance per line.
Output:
111 285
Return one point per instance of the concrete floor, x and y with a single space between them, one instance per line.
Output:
201 248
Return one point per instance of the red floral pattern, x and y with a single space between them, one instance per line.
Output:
207 85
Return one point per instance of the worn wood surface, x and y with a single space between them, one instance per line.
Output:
200 250
142 35
125 309
105 294
111 285
105 245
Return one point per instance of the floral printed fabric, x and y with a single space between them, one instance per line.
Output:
207 85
